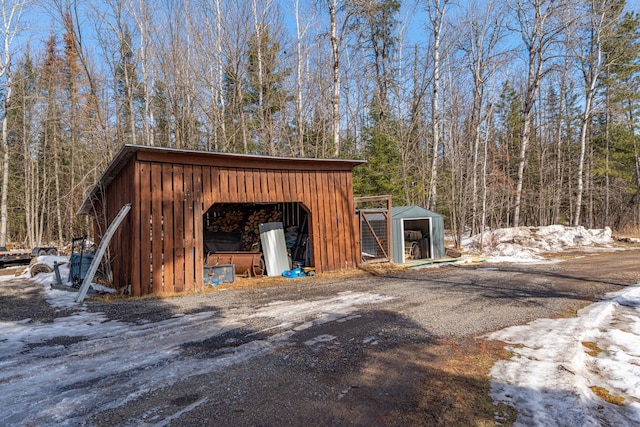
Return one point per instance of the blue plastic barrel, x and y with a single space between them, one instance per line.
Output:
80 265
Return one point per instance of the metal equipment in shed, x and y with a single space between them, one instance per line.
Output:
418 233
217 274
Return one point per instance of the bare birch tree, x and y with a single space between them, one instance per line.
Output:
208 38
600 16
337 10
11 14
335 69
538 34
259 30
481 33
142 15
302 28
437 10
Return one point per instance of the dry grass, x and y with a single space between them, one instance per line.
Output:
605 395
571 309
456 391
594 350
242 283
629 231
382 268
458 385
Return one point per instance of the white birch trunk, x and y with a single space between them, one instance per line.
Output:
335 50
592 68
257 26
299 112
537 40
436 15
11 14
220 77
5 163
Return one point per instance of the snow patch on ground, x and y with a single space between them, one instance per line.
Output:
575 371
63 372
561 366
528 243
50 260
64 268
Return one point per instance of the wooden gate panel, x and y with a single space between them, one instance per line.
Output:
375 228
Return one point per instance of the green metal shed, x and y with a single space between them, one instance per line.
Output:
417 233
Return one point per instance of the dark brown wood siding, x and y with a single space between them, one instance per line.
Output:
120 192
169 195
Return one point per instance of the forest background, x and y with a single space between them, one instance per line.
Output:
492 113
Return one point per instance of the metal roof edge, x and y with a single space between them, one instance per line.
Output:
240 155
398 211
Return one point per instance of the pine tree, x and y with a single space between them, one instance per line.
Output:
617 136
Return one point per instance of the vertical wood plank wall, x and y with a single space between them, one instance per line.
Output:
164 232
120 193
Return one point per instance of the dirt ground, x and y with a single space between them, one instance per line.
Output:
416 357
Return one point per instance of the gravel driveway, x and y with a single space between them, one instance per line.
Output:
333 350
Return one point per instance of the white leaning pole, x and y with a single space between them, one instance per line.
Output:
102 248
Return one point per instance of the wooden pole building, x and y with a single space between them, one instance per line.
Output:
176 196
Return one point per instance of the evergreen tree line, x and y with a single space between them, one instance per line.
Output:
494 113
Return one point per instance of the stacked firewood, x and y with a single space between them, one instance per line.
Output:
251 233
228 221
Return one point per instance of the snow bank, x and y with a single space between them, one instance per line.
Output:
51 259
529 242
